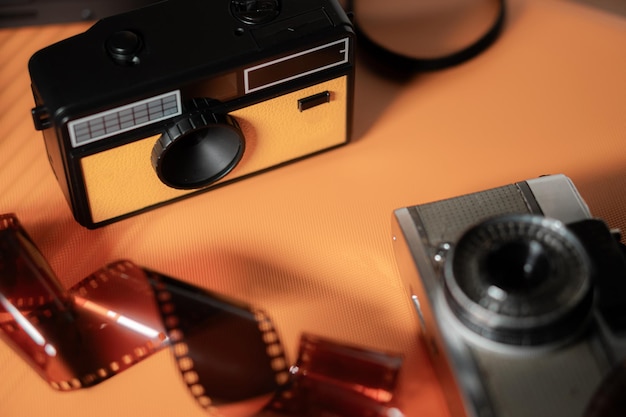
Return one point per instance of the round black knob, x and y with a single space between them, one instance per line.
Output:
255 11
198 149
124 46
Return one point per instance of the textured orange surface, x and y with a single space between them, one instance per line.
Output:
310 242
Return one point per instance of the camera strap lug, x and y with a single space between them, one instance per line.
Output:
41 118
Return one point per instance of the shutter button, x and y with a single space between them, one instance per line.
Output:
123 47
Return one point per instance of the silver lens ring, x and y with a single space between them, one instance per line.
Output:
519 279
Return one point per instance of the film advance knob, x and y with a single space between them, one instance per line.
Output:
255 11
197 150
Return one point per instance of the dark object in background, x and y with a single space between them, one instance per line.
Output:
39 12
400 37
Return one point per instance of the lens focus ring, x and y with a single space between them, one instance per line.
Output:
519 279
198 149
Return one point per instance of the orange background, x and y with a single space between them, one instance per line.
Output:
310 242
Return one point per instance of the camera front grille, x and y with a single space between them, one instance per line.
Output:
122 119
446 220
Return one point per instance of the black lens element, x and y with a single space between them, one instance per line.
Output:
517 265
519 279
198 150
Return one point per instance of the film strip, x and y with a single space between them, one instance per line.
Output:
123 313
206 331
335 379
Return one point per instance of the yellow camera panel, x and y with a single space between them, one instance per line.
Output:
122 180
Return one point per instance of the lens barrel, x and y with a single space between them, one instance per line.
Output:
519 280
198 149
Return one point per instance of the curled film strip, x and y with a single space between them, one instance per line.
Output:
123 313
335 379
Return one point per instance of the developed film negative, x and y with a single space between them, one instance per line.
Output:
122 314
335 379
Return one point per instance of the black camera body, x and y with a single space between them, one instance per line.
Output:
179 97
520 295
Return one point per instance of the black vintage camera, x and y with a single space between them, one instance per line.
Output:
521 297
156 104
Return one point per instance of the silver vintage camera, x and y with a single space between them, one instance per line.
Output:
521 297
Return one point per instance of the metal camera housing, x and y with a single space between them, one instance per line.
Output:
520 297
180 97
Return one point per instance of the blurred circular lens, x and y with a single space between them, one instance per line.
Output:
433 32
519 279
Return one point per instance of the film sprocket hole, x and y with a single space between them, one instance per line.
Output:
179 97
521 297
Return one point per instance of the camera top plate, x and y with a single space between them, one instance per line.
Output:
154 49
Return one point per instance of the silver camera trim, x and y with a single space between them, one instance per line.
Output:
558 198
458 353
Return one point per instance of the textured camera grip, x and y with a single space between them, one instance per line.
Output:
446 220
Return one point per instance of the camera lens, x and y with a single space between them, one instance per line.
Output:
516 265
519 279
198 150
